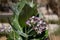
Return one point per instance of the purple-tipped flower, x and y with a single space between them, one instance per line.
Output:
39 25
5 28
1 30
28 22
9 29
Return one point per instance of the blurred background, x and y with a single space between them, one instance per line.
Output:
47 9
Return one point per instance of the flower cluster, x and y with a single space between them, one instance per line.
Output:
37 24
5 28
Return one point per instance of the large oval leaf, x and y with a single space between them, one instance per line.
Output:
26 13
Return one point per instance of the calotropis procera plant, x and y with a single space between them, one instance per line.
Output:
24 29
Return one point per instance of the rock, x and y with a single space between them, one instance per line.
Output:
52 28
42 10
51 17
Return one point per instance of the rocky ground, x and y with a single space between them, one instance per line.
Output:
3 38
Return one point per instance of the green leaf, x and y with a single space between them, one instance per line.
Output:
17 8
46 33
18 28
16 24
26 13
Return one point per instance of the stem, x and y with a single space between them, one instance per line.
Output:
30 31
14 35
25 30
26 33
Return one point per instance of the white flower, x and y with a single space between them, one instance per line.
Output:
5 27
38 32
46 28
32 21
35 28
38 24
44 22
33 16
